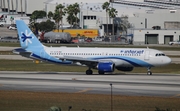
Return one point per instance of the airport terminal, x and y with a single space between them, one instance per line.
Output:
151 21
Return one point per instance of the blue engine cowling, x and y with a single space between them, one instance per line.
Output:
106 66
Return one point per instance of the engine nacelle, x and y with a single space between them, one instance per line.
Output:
106 67
125 68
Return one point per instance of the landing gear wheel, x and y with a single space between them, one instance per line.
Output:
101 72
48 41
89 72
149 73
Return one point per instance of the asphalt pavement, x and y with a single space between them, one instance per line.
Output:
4 32
162 85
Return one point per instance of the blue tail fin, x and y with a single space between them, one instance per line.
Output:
26 37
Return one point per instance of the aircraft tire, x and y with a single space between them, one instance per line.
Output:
89 72
101 72
149 73
48 41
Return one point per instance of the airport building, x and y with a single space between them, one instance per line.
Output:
152 21
156 26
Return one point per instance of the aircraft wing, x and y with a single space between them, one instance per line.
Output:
85 61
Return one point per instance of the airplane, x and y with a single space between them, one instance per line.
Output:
103 59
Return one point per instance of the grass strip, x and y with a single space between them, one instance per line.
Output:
42 101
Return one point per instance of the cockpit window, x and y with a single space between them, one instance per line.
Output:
160 54
163 55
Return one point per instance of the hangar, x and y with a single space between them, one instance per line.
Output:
156 26
144 36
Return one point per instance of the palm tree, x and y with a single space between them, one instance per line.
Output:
105 6
70 16
76 11
113 14
71 19
124 25
59 13
50 14
72 11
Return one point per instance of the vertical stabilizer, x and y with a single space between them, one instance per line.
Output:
26 37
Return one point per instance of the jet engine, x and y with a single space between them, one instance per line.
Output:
124 68
106 67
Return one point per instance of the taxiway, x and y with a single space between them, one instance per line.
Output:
165 85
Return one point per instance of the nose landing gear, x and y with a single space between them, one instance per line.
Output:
149 71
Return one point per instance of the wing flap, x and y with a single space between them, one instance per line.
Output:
84 61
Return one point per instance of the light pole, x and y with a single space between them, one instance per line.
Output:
87 10
111 98
70 107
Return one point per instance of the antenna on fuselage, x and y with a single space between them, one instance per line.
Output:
147 47
77 46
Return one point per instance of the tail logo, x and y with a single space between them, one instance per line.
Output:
27 37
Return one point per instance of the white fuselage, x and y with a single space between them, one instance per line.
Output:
119 56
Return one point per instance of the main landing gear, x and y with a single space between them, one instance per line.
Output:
149 71
90 72
101 72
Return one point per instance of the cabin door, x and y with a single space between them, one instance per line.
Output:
146 56
104 53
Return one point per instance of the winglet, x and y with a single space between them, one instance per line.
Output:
26 37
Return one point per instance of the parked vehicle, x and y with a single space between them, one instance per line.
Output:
81 40
9 39
86 32
97 39
12 27
2 23
89 40
174 43
56 37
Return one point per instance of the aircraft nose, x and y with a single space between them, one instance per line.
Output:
168 60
